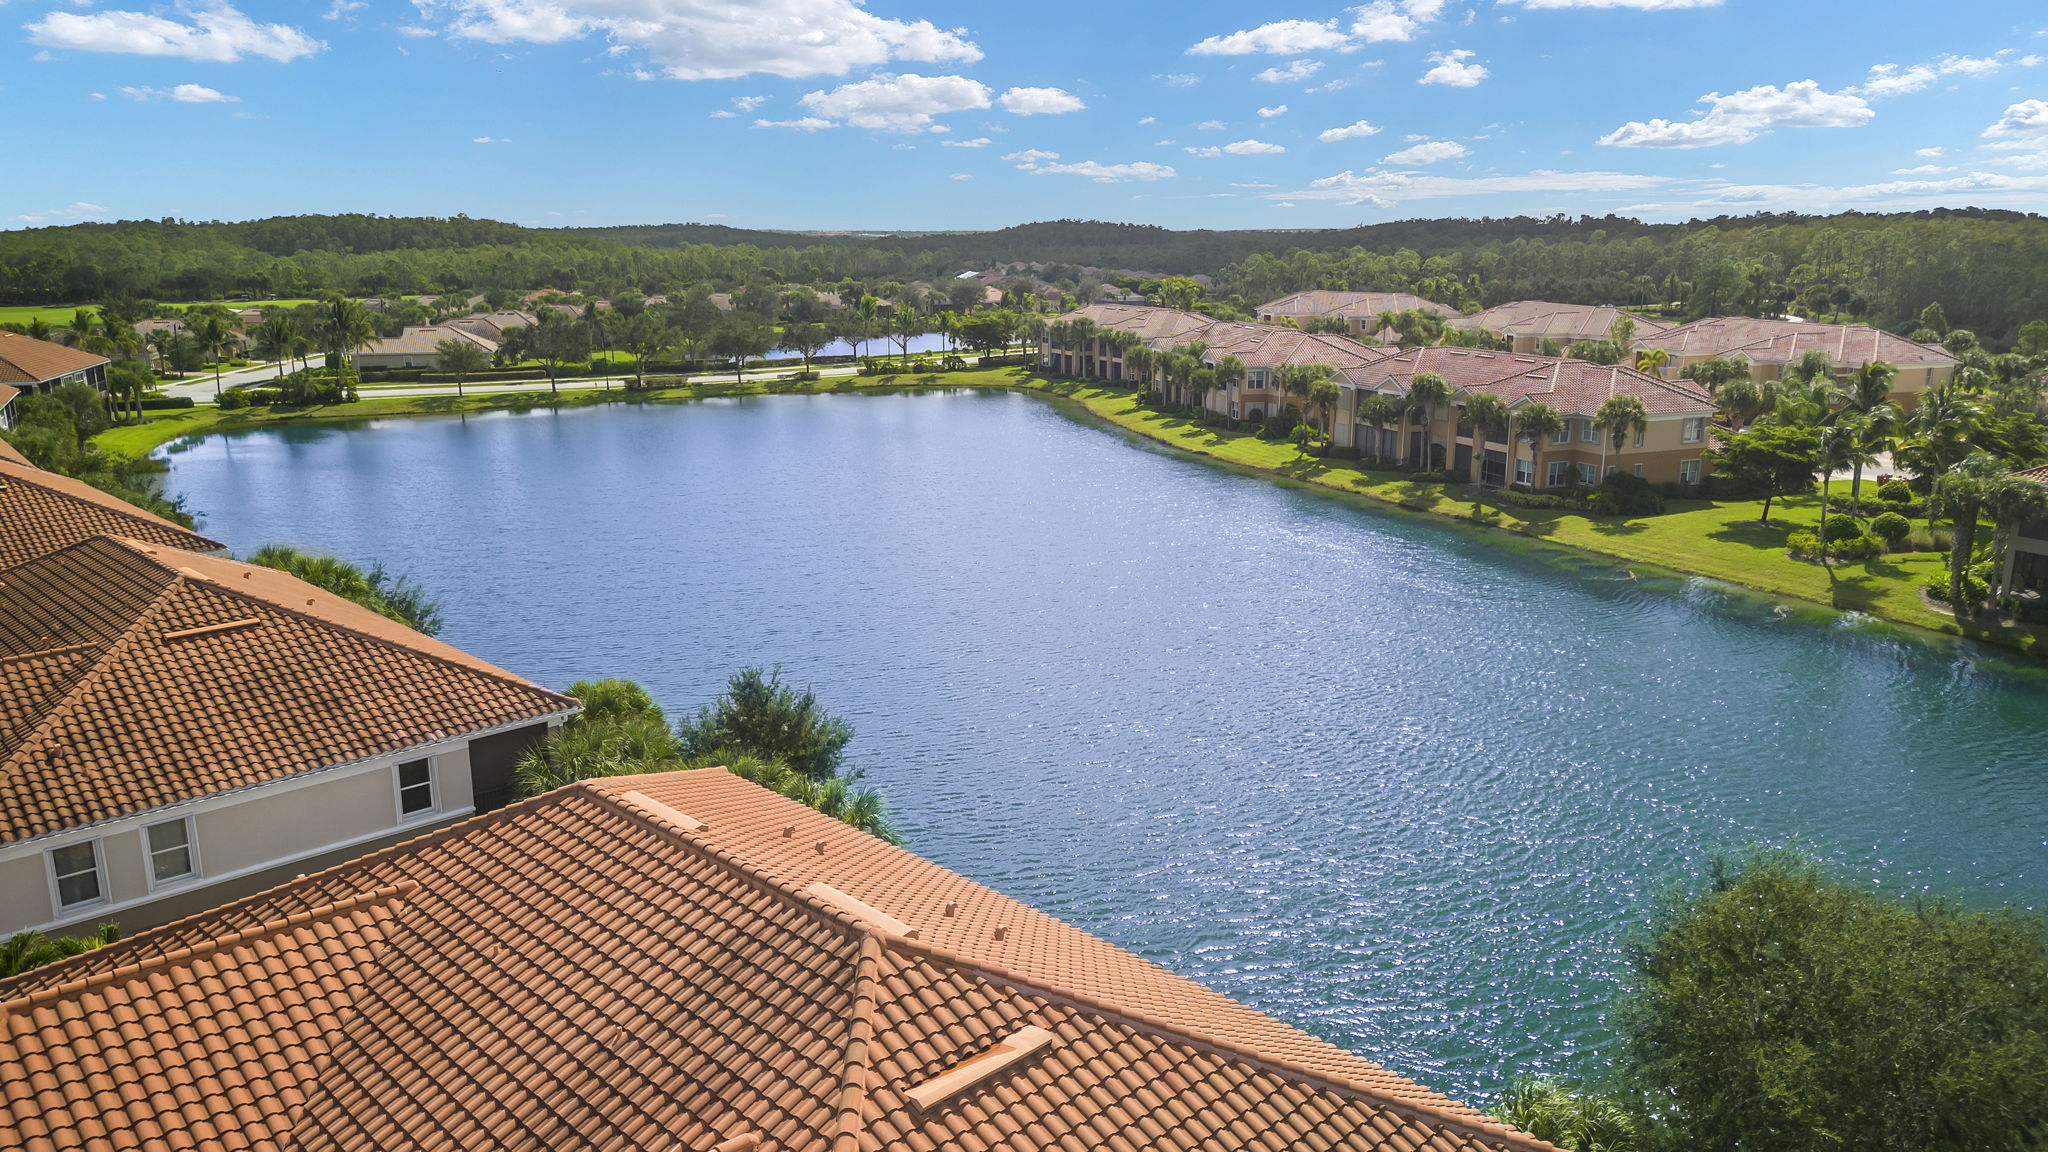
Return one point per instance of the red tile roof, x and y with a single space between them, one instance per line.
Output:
27 360
1323 302
41 512
1564 323
133 676
1257 345
1573 387
1786 341
677 961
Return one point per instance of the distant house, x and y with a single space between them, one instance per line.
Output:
175 327
492 326
42 512
1772 348
417 347
674 961
31 365
1526 324
183 729
1360 310
2025 571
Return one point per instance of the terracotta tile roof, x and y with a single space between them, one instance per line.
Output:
1322 302
2037 475
1154 324
27 360
1785 341
41 512
678 961
133 676
1561 322
1573 387
424 341
1257 345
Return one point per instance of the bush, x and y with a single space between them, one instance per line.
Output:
1840 527
1522 498
1858 547
161 403
1803 545
1621 494
1974 589
1892 528
232 399
1896 492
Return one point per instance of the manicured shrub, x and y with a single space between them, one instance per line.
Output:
1858 548
1841 526
1803 545
232 399
1523 498
1621 494
1892 528
1974 589
1896 492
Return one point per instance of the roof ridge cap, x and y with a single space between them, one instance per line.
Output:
856 1069
1278 1064
362 899
489 670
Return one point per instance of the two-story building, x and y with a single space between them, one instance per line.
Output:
1772 348
2025 571
1360 311
1528 325
31 365
178 729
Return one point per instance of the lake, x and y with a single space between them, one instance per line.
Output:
1400 783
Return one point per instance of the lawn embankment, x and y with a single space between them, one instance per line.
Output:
1723 541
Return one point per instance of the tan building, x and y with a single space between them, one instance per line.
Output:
1670 450
8 416
1526 324
31 365
42 512
1772 348
675 961
177 730
492 326
1360 310
417 347
2025 571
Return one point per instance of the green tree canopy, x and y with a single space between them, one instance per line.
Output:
762 716
1775 459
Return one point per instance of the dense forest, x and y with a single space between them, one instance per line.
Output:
1989 269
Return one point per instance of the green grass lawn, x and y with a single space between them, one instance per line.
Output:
1723 541
58 317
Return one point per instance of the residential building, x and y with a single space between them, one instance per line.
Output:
1772 348
417 347
2025 571
672 961
1670 450
1361 310
8 416
178 729
1527 324
32 365
42 512
492 326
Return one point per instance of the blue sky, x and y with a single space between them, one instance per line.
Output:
919 114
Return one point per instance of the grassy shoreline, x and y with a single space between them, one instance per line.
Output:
1720 541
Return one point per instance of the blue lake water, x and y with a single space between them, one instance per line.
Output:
1404 785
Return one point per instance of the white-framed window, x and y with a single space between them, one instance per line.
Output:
1639 471
1525 470
172 855
416 789
1588 433
1589 473
1557 472
1639 438
75 870
1695 429
1688 471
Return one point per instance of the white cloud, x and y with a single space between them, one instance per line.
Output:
1357 131
1239 148
2022 121
1040 163
1452 71
1742 116
977 142
216 32
1923 170
1638 5
1983 188
708 40
1210 126
1148 120
748 103
77 210
1180 79
1928 153
1275 110
962 176
1384 189
904 103
800 124
1295 72
1280 38
1039 101
1893 80
1427 153
2031 60
181 94
1384 20
344 9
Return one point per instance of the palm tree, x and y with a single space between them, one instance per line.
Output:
278 337
1230 373
80 328
31 949
1379 410
1652 360
1962 492
865 308
1867 396
1487 415
1940 436
1425 392
39 328
1538 424
1139 364
1621 417
215 335
344 328
1742 400
1324 393
161 341
1836 446
460 359
1716 373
